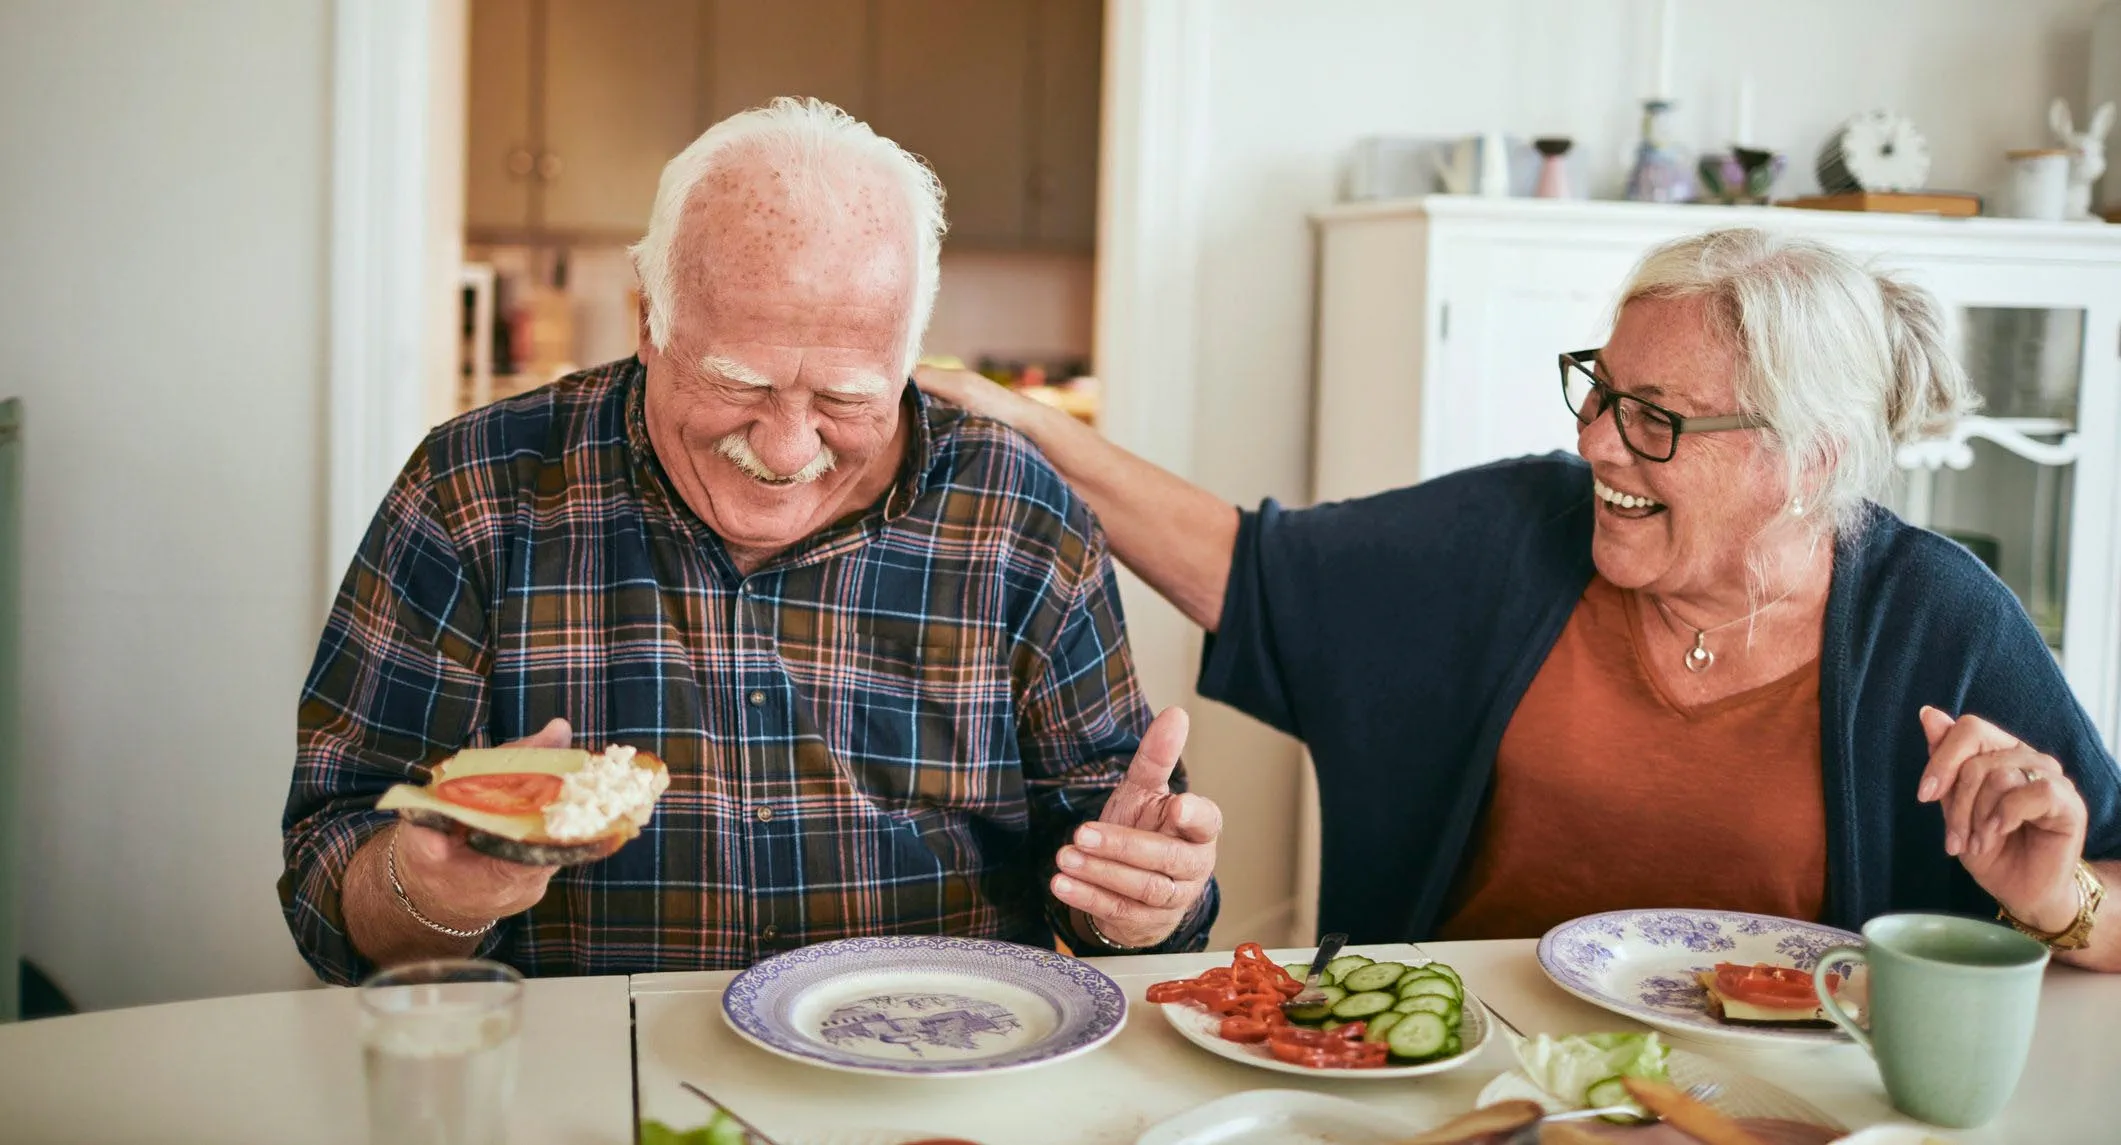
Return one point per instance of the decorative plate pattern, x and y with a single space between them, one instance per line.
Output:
925 1005
1642 963
1202 1029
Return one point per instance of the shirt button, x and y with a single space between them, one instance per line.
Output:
756 698
764 814
770 933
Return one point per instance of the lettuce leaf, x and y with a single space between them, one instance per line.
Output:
1568 1067
719 1130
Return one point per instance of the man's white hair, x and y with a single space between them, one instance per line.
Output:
811 144
1845 362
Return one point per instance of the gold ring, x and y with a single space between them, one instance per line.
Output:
2030 775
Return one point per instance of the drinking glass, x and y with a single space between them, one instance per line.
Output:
438 1039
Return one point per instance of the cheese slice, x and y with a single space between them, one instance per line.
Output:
1738 1012
524 828
515 828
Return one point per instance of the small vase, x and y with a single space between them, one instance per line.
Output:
1553 169
1660 173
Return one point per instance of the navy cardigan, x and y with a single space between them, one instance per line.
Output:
1395 635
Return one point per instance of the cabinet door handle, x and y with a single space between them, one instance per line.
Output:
549 166
521 162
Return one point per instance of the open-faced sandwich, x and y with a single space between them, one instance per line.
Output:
1765 994
540 805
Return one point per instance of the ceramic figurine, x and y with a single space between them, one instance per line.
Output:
2087 153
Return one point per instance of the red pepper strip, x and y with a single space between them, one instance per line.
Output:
1244 1029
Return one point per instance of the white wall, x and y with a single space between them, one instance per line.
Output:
1294 83
163 222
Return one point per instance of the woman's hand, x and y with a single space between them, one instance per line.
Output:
975 393
2011 815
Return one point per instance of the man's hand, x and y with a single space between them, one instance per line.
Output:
443 878
1147 859
462 888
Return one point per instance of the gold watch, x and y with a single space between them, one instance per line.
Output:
2078 934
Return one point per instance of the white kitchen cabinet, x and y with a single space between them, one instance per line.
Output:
1440 319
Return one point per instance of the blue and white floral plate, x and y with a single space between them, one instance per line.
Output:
922 1005
1642 963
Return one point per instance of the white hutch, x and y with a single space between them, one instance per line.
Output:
1439 320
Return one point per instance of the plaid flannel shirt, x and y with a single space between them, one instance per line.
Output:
888 729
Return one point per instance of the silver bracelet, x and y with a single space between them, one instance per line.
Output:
398 889
1104 941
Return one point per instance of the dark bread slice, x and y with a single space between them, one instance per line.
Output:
513 850
1707 978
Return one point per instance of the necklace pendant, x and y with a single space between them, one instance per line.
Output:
1699 658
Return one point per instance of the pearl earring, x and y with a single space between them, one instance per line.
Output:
1796 507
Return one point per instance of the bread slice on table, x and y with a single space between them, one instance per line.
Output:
525 836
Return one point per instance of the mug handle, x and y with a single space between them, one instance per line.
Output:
1827 1001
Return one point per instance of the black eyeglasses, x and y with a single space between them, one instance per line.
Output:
1650 431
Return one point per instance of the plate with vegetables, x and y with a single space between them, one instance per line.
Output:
1380 1019
1587 1071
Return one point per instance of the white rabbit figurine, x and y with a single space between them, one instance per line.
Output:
2087 153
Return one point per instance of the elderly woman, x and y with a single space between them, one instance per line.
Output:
1695 666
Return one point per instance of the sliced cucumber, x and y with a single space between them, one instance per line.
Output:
1334 1024
1298 970
1443 987
1381 1025
1418 1036
1363 1005
1376 976
1611 1091
1320 1011
1340 966
1453 1047
1428 1003
1442 968
1406 982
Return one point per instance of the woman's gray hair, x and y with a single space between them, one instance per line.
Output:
808 141
1844 362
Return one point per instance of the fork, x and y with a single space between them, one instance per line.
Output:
1311 995
1701 1091
1529 1134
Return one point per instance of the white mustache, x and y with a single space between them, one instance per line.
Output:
738 451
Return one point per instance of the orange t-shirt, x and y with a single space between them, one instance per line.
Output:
1610 796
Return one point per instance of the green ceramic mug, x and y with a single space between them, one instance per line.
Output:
1952 1005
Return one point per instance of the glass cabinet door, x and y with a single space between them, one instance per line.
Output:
2003 484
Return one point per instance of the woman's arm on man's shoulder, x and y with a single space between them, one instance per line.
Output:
1175 535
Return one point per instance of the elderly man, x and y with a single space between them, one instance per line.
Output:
877 641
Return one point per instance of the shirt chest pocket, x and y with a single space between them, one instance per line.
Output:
919 725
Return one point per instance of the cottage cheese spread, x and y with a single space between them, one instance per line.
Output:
607 789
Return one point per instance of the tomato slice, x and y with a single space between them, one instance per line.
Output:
1764 984
507 793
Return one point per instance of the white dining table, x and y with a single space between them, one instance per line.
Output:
598 1052
277 1069
2071 1090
